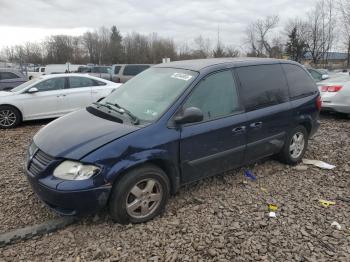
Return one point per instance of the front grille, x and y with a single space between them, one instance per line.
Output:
39 162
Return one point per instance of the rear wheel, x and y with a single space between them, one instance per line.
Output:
10 117
295 146
140 195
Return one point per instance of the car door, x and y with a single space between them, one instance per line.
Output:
78 93
264 92
46 102
217 143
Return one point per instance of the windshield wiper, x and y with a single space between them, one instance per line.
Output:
122 110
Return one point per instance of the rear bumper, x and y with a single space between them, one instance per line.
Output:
80 202
331 107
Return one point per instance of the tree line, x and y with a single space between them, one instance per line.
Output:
325 27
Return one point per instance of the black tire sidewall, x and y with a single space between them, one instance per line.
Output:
117 202
17 114
286 153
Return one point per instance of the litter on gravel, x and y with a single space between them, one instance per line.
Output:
318 163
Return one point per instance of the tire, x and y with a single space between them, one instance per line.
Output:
293 156
30 78
10 117
139 186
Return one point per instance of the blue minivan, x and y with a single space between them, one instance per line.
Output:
173 124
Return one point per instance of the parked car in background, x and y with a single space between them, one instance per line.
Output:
10 78
54 69
121 73
84 69
51 96
173 124
61 68
335 93
37 72
101 72
318 74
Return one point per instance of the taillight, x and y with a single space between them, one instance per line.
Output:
318 103
335 88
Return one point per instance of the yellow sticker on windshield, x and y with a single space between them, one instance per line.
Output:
181 76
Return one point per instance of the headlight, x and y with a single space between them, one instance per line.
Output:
32 148
71 170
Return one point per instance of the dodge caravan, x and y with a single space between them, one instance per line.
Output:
172 124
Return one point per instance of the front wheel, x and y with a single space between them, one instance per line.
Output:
10 117
295 146
140 195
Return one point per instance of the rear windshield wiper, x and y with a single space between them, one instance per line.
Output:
121 109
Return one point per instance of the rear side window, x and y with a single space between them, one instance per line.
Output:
315 75
75 82
99 83
116 69
300 83
262 86
216 96
8 75
133 70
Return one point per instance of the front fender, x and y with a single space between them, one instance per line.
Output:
159 157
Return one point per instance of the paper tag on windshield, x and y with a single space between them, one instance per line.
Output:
181 76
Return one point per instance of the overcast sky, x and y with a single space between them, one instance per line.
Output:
182 20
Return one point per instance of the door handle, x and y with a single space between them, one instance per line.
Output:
239 129
256 125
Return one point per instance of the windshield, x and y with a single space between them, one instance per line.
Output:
24 85
150 93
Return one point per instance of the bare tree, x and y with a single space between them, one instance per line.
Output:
258 36
320 30
344 7
202 47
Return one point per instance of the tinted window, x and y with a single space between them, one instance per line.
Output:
103 70
51 84
8 75
75 82
262 86
116 69
300 83
42 69
216 96
132 70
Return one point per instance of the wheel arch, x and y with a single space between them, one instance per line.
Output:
167 166
307 126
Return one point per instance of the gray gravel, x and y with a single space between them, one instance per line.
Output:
224 218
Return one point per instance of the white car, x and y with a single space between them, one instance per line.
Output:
51 96
335 93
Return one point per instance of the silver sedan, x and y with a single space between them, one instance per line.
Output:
335 93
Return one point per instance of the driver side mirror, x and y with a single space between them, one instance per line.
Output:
32 90
189 115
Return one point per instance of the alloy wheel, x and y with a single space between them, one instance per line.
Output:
7 118
144 198
297 145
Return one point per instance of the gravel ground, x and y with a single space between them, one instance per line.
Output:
224 218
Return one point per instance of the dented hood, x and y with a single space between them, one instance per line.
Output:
77 134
